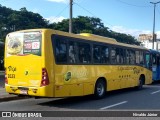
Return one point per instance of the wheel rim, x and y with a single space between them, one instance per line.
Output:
100 89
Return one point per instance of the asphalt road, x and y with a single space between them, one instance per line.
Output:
127 99
123 101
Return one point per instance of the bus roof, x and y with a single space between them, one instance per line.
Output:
87 36
98 37
154 51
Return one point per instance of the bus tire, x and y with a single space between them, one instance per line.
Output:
100 89
140 84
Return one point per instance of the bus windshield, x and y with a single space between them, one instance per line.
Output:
24 43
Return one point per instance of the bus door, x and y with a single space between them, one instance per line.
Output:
155 64
148 63
158 67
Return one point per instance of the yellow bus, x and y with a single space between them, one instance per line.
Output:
50 63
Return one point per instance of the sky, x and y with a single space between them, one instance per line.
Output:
132 17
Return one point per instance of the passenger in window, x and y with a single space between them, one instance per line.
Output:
105 56
57 51
61 52
117 57
121 60
63 48
82 55
71 54
113 56
96 55
88 54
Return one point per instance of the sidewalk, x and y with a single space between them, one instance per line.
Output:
4 96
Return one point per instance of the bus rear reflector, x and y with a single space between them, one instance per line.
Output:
6 80
45 79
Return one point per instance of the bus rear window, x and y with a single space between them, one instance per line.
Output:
24 43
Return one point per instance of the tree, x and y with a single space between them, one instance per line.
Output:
1 56
94 26
11 20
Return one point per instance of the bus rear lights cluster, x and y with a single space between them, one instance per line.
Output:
45 79
6 80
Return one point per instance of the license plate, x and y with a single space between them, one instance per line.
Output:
24 92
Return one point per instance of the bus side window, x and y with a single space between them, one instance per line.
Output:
117 55
122 56
128 56
105 54
96 54
113 55
154 59
147 61
132 57
137 57
72 52
141 58
84 53
61 51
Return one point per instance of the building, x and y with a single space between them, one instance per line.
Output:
147 41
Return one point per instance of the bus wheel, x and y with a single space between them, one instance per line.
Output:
100 89
140 84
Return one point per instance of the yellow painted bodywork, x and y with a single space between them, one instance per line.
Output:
82 77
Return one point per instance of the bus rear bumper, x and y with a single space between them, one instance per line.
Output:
29 91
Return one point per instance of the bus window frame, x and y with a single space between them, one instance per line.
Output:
77 40
91 44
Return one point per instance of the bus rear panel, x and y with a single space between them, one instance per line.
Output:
25 71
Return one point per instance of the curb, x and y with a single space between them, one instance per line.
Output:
4 96
10 98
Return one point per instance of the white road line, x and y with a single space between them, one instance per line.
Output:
113 105
155 92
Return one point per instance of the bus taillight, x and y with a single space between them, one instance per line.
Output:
6 80
45 79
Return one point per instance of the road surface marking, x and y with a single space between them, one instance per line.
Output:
113 105
155 92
